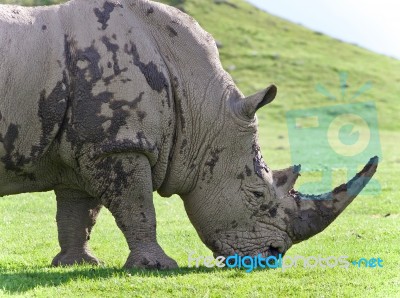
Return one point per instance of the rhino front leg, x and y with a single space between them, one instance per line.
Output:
76 216
126 184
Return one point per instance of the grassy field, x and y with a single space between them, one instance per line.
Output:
257 49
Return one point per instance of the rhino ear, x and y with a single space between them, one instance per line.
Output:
253 102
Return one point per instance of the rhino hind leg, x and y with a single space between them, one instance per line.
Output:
125 185
76 216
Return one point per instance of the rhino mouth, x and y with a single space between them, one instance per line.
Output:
259 247
255 258
274 251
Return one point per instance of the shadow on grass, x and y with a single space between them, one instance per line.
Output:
23 281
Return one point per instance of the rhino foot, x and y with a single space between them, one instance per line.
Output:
150 259
69 259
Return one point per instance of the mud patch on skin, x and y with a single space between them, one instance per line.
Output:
85 123
128 146
179 110
104 16
52 110
214 159
258 161
240 176
265 207
248 171
234 224
118 119
13 160
150 10
117 104
171 31
111 173
141 115
51 113
154 77
113 48
272 212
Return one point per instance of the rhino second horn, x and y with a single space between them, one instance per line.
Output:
315 212
248 106
285 179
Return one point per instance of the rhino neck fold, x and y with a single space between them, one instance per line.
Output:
200 87
199 119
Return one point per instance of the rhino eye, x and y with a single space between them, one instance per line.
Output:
258 194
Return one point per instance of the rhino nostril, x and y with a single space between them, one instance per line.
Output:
273 251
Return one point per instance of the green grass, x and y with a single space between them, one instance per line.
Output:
257 49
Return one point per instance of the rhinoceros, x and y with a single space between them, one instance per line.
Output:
107 101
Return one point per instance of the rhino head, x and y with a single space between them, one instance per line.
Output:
239 205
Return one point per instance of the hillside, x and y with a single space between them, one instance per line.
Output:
259 48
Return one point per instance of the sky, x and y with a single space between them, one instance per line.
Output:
371 24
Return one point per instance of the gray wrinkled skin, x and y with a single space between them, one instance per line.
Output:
105 102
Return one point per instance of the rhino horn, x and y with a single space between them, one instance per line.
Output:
313 213
249 105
